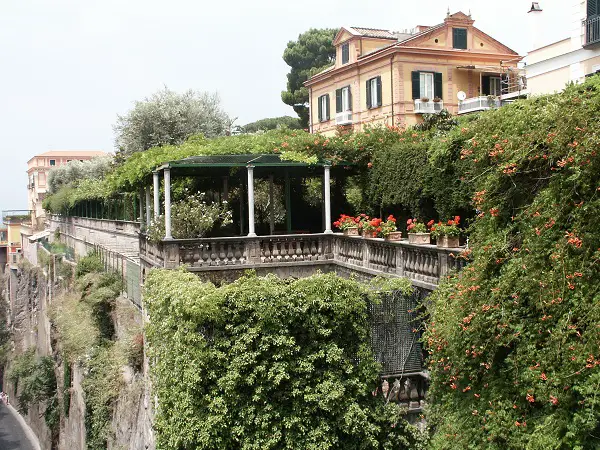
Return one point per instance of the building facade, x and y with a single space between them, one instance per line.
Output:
568 60
37 176
392 78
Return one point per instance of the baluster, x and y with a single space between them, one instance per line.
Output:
238 253
266 253
229 253
291 251
213 253
313 250
205 254
276 252
222 253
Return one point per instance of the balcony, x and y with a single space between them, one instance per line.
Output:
592 31
343 118
478 104
428 107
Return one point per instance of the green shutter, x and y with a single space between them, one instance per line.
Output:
485 85
416 85
459 38
338 101
592 8
369 105
319 109
438 90
379 96
327 117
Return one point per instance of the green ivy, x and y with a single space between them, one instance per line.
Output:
266 363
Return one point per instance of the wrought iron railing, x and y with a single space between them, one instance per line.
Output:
478 104
592 31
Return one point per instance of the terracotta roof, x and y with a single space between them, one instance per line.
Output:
376 33
73 153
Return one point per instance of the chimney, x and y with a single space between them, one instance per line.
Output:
535 26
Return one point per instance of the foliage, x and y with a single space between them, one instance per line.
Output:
272 124
310 54
345 222
414 226
35 382
169 118
88 264
266 363
449 228
442 121
76 170
514 337
191 218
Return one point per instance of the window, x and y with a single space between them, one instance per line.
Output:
343 100
52 162
345 53
427 85
323 103
593 8
374 93
495 86
459 38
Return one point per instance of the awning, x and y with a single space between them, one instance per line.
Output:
477 68
38 236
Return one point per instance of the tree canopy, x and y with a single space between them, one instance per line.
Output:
169 118
272 123
311 53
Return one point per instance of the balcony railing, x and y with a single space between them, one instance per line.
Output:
592 31
478 104
423 264
428 107
343 118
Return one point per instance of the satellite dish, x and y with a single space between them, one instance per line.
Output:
461 95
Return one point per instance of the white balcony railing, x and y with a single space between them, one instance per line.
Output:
343 118
428 107
478 104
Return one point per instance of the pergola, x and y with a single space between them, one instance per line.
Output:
223 166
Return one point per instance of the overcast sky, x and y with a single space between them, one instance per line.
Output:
70 66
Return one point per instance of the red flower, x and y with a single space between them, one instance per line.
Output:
409 221
530 398
391 218
456 220
369 165
431 222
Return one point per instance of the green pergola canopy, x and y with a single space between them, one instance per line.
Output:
269 160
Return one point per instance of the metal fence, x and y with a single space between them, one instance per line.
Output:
127 268
396 333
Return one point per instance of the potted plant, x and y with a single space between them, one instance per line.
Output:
417 232
447 233
424 99
389 230
492 101
362 221
436 99
348 225
372 228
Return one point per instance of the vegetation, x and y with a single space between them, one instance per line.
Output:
266 363
34 379
66 174
272 123
169 118
514 337
310 54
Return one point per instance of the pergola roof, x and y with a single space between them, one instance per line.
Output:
214 164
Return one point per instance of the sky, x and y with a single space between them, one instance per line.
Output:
69 67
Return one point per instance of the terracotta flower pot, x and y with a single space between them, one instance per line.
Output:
448 242
419 238
394 236
353 231
370 234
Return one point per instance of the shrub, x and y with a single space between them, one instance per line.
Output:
266 363
88 264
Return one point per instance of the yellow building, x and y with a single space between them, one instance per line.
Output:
392 78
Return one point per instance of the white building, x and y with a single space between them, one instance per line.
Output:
570 59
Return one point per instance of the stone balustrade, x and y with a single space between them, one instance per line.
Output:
423 264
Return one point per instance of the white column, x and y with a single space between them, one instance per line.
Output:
326 182
156 195
148 214
251 201
167 174
271 206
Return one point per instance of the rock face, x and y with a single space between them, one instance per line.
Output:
30 291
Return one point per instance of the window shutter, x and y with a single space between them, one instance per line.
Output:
459 38
592 8
338 100
369 105
416 85
379 96
349 99
485 85
438 91
327 117
320 109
